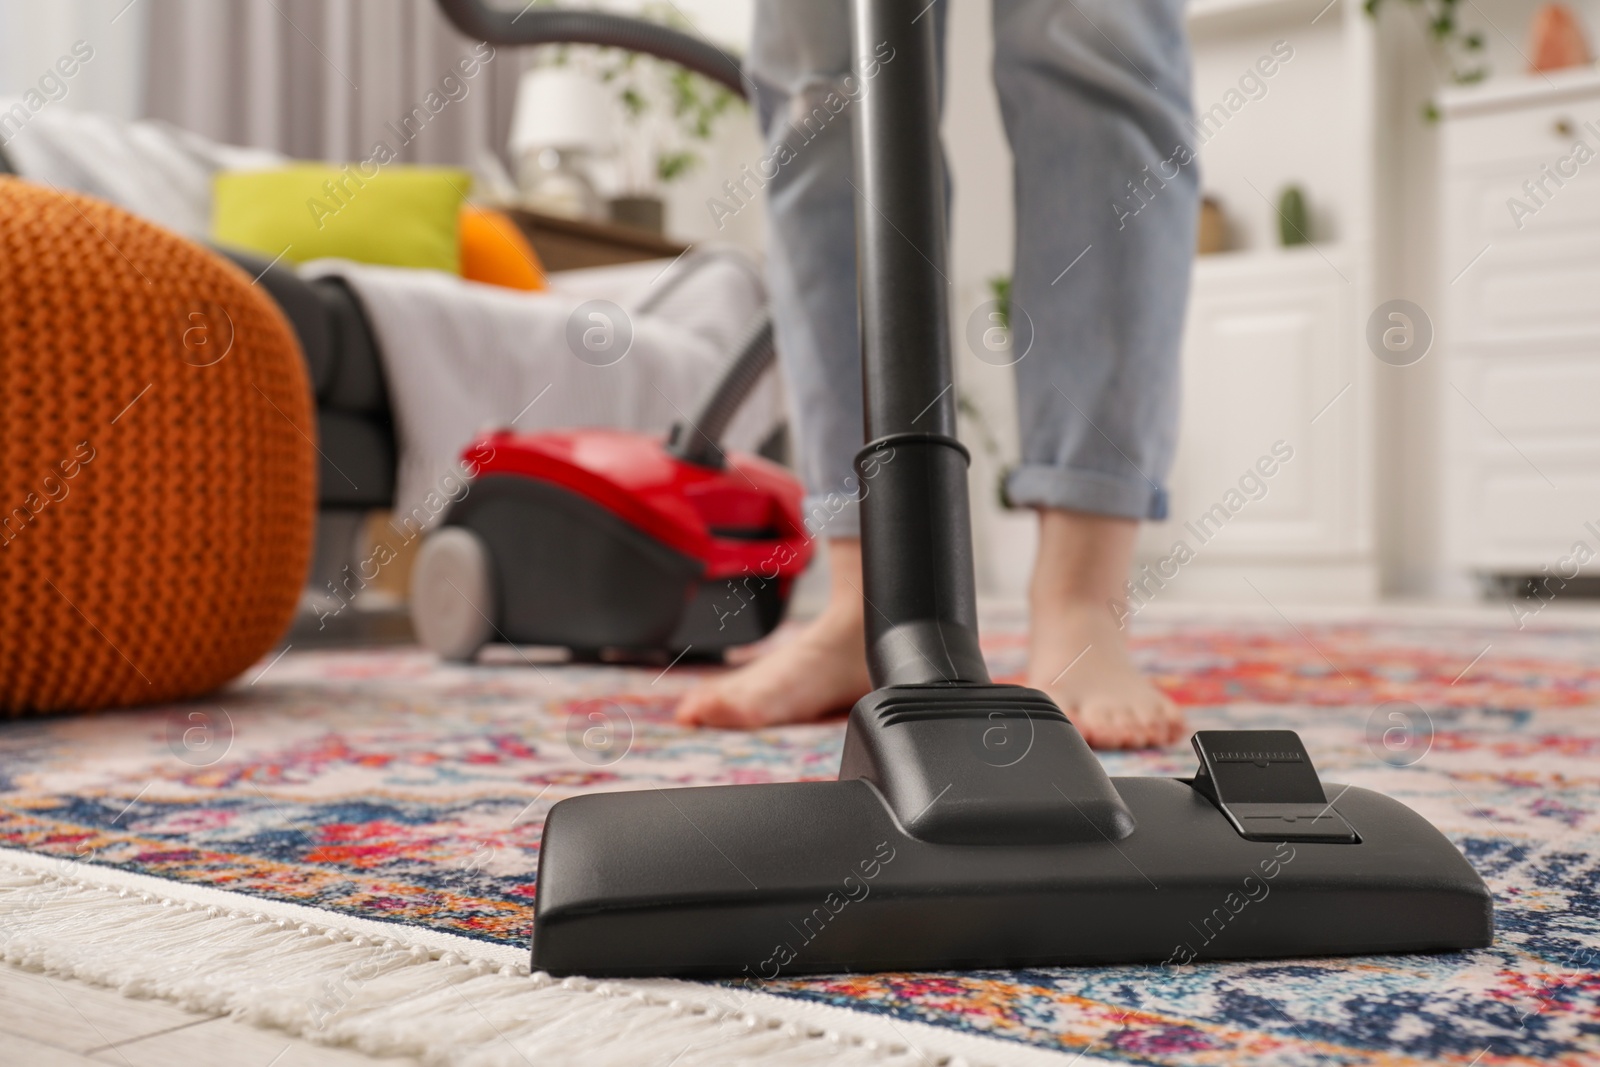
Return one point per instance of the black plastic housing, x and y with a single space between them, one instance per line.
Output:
572 574
981 765
1263 781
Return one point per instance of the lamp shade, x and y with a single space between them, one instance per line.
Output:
561 107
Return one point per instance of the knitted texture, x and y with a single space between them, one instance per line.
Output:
157 467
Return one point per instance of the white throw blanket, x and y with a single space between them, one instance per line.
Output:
462 357
459 357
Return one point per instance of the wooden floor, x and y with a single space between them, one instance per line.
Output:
57 1022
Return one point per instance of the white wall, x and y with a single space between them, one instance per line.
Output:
1504 24
35 33
724 21
1408 491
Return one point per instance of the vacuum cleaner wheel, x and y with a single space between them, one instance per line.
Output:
452 594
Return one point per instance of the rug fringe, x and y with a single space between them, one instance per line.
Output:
389 994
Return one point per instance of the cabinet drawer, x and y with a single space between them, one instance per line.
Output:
1529 291
1507 518
1533 398
1490 204
1536 296
1521 459
1537 133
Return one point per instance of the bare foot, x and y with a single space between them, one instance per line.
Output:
820 671
1077 652
1079 656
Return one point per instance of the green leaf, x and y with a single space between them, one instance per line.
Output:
671 166
1000 289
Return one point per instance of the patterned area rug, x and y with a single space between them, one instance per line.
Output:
381 785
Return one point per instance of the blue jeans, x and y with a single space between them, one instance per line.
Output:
1095 96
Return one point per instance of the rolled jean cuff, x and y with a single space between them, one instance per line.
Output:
831 515
1039 486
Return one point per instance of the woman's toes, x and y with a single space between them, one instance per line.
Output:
1129 731
695 709
1102 725
1133 730
816 673
1171 727
1152 726
710 706
1127 725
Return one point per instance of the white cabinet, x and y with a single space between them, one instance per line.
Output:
1520 334
1267 364
1274 356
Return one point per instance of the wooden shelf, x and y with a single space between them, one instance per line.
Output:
1269 259
573 244
1208 13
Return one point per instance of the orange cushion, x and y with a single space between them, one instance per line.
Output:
494 251
157 463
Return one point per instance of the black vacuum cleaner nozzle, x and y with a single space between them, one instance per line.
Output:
970 826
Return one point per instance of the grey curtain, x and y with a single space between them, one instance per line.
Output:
327 79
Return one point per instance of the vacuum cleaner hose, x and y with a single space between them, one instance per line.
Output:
699 440
533 26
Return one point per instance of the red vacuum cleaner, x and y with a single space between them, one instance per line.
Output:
616 544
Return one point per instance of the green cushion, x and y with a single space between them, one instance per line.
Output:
401 216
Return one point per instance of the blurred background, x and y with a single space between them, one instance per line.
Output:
1396 289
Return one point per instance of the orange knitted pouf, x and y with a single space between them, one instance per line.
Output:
157 471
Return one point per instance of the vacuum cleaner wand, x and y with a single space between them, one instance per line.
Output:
916 534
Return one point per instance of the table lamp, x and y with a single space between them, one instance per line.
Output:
564 118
